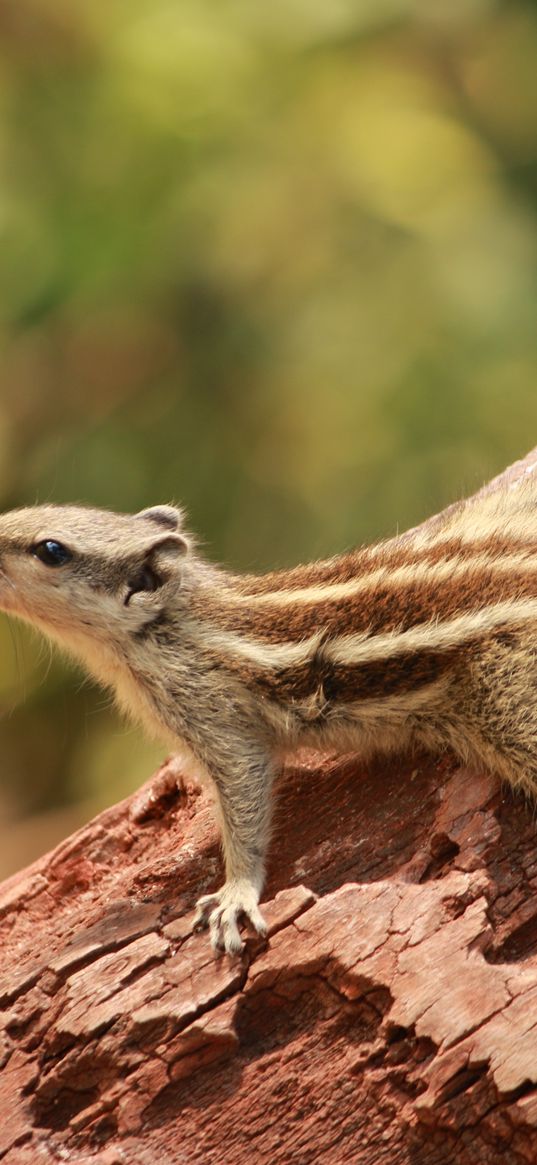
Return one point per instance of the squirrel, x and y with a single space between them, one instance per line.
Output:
429 639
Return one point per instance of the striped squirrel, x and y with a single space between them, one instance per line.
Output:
429 639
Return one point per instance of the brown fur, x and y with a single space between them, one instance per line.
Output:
385 607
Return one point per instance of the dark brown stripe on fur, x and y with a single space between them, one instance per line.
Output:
375 680
379 610
390 556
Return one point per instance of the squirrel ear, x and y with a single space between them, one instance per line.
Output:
170 517
161 548
165 551
149 574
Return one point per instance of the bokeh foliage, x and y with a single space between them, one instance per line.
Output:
275 261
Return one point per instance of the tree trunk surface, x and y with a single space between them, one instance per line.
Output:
390 1017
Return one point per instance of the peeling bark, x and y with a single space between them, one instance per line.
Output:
390 1017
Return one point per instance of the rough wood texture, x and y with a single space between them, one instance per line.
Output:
391 1016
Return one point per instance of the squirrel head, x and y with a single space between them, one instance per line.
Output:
74 571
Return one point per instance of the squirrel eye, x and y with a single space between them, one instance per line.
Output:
51 553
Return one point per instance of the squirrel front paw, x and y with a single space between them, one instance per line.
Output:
222 911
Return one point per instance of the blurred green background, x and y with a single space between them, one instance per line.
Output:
276 262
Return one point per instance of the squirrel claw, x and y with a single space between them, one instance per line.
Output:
221 913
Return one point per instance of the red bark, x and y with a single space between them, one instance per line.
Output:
390 1017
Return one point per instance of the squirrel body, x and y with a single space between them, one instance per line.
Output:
429 639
